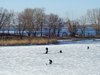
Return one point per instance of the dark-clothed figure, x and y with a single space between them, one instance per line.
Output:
46 51
50 61
60 51
87 47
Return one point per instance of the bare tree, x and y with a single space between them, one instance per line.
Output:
31 20
72 27
39 18
26 23
94 18
21 25
5 19
54 23
60 24
28 16
82 27
9 23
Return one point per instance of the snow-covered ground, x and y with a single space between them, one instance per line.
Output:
76 59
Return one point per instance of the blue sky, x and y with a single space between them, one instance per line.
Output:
64 8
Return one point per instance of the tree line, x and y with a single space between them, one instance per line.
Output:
30 21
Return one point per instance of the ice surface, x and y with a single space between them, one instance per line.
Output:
76 59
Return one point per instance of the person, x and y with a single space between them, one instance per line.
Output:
46 51
60 51
87 47
50 61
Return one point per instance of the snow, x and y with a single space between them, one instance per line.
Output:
76 59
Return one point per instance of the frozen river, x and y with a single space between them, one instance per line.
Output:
76 59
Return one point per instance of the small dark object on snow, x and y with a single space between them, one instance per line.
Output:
46 51
87 47
60 51
50 61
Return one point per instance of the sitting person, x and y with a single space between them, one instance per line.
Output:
87 47
60 51
50 61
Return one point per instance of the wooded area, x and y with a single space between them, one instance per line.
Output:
35 22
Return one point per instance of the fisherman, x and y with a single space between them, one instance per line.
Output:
50 61
46 51
87 47
60 51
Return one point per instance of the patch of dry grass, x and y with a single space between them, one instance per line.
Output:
43 41
27 41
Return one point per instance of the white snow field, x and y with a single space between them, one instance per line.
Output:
76 59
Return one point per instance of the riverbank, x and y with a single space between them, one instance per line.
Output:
16 41
35 41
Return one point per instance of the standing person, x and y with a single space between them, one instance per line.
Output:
46 51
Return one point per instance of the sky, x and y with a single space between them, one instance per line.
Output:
64 8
